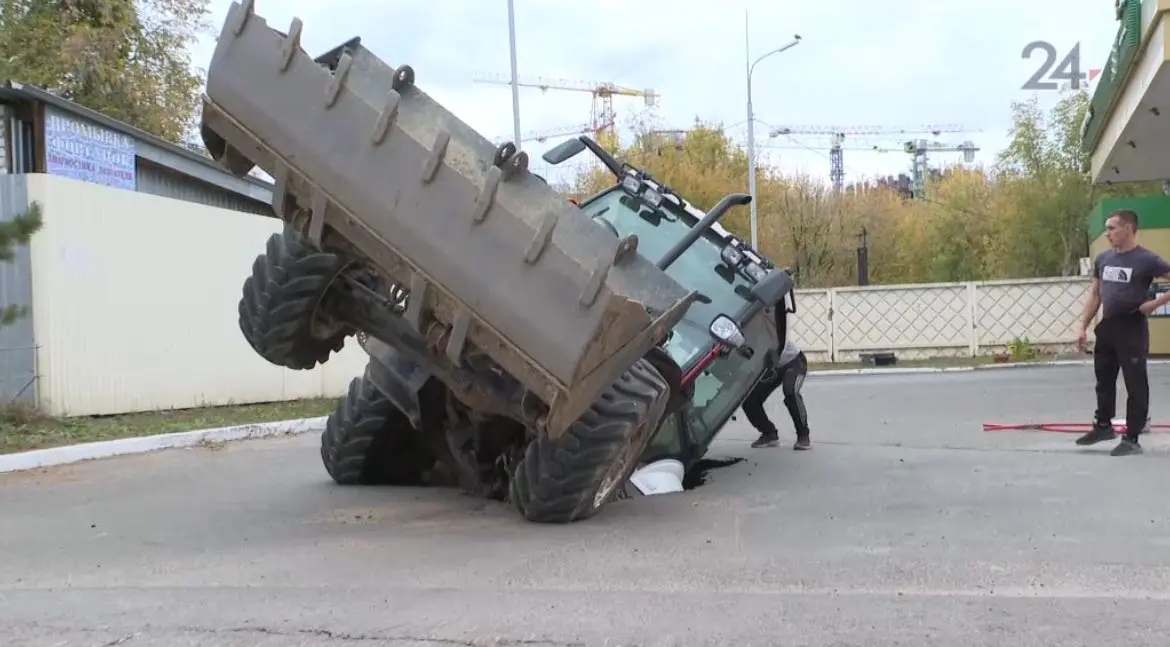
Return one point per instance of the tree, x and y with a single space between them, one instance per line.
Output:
123 58
1023 217
1046 172
17 231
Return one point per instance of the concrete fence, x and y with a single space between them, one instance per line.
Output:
939 319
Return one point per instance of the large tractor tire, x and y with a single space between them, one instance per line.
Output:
368 441
572 477
278 310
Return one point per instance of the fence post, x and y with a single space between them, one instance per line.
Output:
831 295
973 318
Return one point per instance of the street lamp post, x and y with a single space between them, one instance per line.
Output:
515 78
751 116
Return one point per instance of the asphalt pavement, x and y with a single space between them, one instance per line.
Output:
905 525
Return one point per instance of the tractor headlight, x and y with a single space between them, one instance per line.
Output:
755 272
731 256
724 329
652 198
631 184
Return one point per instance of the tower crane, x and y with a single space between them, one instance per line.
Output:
838 134
545 135
918 150
603 119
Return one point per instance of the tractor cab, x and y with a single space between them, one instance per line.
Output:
725 337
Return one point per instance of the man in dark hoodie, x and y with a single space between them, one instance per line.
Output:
786 369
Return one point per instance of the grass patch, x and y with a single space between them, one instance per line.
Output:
23 429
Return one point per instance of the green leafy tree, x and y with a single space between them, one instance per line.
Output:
1047 174
17 231
123 58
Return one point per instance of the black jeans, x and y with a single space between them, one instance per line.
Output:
1123 343
790 378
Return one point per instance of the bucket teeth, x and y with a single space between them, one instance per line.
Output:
386 118
435 159
487 194
291 44
542 237
337 84
239 19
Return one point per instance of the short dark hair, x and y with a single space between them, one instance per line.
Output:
1127 215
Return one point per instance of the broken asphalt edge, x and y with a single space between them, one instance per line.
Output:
67 454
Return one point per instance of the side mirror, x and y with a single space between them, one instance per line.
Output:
771 289
724 329
563 151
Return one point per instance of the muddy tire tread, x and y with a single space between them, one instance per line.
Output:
556 481
362 440
280 298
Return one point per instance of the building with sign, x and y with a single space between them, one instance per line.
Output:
43 133
1127 130
1126 133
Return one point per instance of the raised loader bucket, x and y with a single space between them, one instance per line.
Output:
483 246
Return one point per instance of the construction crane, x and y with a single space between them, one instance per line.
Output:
918 149
603 119
545 135
838 134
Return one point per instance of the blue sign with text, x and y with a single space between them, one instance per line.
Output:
82 150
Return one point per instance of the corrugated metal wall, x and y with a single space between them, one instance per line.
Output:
160 181
135 305
18 362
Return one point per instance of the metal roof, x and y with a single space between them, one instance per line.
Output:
150 147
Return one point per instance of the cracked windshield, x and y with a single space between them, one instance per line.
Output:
310 334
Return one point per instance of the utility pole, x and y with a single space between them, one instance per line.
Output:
863 257
751 119
515 74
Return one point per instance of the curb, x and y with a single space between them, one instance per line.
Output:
54 456
962 369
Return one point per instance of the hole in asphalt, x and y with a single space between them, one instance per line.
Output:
698 474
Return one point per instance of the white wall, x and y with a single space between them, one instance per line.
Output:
135 308
135 305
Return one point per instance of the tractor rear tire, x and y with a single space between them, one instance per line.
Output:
572 477
278 309
368 441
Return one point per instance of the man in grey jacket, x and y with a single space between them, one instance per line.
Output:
787 367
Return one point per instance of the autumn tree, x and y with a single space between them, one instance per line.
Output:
1023 217
124 58
703 167
1046 174
802 223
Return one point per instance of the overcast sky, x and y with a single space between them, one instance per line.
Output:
893 63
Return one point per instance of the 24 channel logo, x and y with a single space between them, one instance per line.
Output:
1066 73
